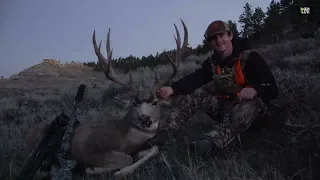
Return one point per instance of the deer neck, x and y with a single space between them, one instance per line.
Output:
136 137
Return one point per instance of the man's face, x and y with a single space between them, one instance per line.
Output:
221 41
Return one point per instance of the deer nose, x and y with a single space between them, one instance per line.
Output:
145 120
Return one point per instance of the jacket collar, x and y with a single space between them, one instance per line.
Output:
228 61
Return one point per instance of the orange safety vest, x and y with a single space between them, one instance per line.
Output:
239 77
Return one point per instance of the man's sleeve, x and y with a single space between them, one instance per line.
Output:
260 77
194 80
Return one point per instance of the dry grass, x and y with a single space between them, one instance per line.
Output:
271 154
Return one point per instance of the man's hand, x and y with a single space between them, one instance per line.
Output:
164 92
247 94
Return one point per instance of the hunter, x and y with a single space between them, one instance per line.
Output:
239 85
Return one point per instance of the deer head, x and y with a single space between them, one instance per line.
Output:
145 109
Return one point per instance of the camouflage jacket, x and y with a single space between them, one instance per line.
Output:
255 70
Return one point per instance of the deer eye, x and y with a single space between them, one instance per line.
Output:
154 103
134 104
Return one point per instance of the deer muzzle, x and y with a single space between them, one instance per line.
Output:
145 120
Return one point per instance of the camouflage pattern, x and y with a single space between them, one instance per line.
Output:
233 117
226 81
188 106
64 155
66 162
237 118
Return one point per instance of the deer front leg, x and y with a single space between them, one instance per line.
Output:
108 162
146 155
143 153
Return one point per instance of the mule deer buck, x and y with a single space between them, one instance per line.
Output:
112 145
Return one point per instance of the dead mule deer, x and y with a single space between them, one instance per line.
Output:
108 146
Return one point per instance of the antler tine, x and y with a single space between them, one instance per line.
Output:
186 35
109 51
106 63
177 61
178 42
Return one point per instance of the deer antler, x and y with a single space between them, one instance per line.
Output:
177 61
106 63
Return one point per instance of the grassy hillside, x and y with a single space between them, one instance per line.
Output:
278 152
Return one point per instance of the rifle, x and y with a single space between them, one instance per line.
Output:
64 154
44 154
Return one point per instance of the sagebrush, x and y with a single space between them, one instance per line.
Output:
25 103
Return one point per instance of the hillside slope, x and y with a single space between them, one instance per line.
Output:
276 153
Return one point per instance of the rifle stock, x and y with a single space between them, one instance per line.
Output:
39 153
